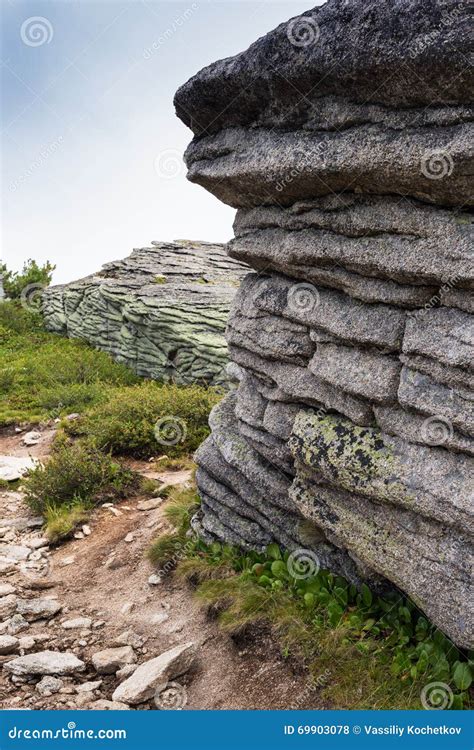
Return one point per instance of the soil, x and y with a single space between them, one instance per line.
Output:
104 577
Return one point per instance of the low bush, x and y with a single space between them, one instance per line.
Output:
76 473
149 418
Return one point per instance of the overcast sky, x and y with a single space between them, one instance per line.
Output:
91 147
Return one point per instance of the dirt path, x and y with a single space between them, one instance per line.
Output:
104 576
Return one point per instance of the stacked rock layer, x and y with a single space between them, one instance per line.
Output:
344 138
162 311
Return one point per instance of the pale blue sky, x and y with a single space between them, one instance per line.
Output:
91 148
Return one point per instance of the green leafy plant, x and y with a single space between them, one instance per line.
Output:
324 620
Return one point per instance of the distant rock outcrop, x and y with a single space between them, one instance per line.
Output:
162 311
344 137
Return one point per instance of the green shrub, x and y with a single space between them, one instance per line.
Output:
32 275
150 418
75 473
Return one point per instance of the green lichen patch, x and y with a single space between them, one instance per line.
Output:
350 455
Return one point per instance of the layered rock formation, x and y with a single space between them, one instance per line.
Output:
162 311
344 138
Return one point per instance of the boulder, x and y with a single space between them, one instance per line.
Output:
77 623
49 685
38 609
110 660
8 644
155 674
13 467
162 311
343 139
44 663
8 606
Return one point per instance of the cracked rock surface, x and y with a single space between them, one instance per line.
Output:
162 311
344 139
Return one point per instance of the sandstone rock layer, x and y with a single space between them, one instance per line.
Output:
162 311
344 138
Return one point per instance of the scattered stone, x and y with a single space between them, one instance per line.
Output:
127 608
13 467
77 623
72 417
17 623
154 579
98 624
31 438
129 638
126 671
86 530
151 504
8 644
115 511
87 687
68 560
129 538
6 589
7 606
155 674
38 584
45 663
78 535
112 659
49 685
38 542
114 562
27 642
15 552
38 609
83 699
